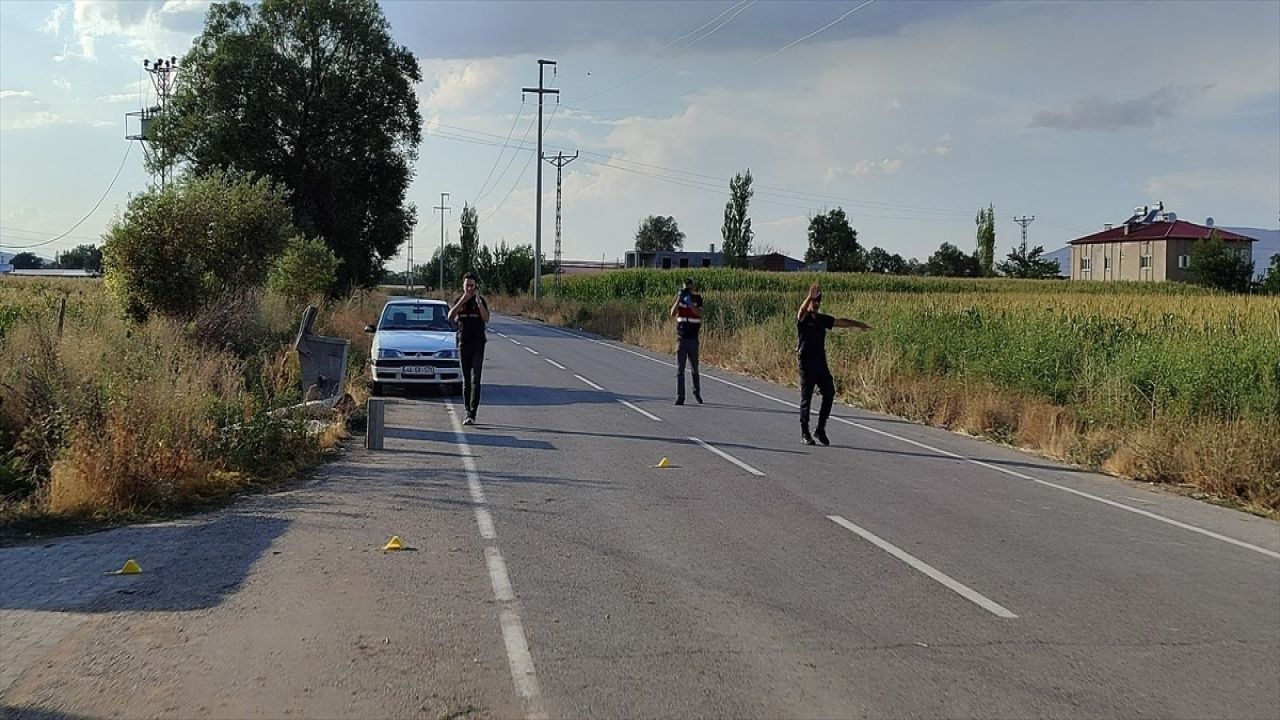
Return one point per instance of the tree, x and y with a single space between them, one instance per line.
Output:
180 247
429 274
1271 283
316 95
506 270
83 257
1215 265
307 267
27 261
986 251
833 240
468 238
659 234
880 261
736 232
951 261
1024 263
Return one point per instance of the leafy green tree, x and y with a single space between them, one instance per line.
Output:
316 95
428 275
880 261
658 233
82 257
1271 283
504 269
986 251
468 238
27 261
1029 263
951 261
179 247
1215 265
307 267
831 239
736 232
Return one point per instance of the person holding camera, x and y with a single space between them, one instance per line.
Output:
470 313
811 351
687 310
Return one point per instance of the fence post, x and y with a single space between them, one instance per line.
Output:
376 428
62 313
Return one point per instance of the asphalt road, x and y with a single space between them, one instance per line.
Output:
901 572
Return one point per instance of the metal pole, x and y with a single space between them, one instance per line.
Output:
443 209
541 90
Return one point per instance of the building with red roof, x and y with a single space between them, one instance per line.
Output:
1151 246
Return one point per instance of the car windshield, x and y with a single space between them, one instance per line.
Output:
416 317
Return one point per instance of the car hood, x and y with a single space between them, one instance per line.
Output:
413 341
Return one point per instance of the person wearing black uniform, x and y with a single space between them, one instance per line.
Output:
811 350
687 310
471 313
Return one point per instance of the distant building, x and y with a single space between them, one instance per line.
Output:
6 263
775 262
1151 246
670 260
54 272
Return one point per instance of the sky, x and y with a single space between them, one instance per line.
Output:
909 115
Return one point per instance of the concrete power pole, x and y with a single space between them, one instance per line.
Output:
537 231
559 161
443 208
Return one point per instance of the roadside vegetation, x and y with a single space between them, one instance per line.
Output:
1164 383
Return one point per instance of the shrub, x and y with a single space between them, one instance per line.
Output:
307 267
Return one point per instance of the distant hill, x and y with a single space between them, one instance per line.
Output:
1268 244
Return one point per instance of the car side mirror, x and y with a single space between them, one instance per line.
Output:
370 328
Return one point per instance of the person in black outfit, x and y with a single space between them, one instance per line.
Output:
811 350
687 310
471 313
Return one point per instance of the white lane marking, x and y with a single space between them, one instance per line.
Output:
535 352
553 362
957 456
728 457
500 334
954 585
515 341
518 656
643 412
588 382
498 575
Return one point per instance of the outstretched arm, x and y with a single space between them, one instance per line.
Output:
846 322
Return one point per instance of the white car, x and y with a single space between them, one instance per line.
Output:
414 344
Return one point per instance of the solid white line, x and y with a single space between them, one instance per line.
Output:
535 352
645 413
588 382
989 466
955 586
553 362
728 457
518 656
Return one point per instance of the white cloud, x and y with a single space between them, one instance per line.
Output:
21 110
459 84
135 92
892 103
147 26
53 25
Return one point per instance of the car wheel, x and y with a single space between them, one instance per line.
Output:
378 390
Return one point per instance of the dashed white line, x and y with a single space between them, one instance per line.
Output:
518 656
553 362
955 586
642 411
946 453
515 341
728 457
535 352
588 382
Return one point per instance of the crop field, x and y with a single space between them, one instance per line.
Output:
1159 382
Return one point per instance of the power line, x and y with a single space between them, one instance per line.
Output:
516 184
532 122
89 214
739 71
504 148
677 53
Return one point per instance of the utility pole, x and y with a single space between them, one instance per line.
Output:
559 161
164 78
537 231
408 267
1024 221
443 208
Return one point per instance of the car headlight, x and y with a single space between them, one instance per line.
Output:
384 353
447 354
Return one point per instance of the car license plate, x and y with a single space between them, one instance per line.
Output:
424 370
